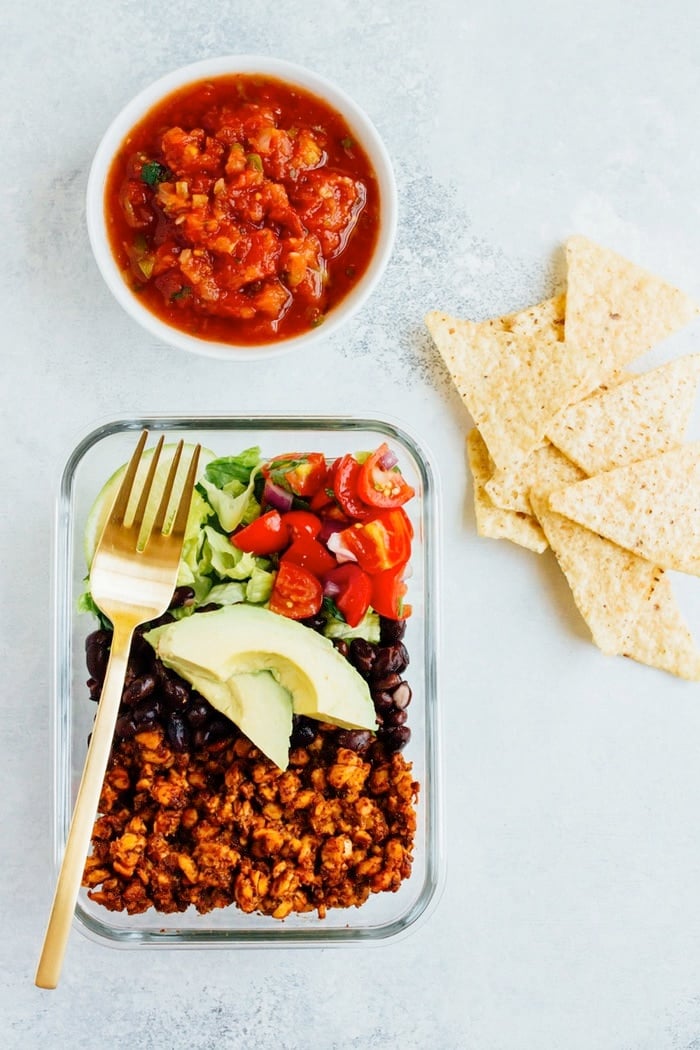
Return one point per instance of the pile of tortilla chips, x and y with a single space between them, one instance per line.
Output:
571 451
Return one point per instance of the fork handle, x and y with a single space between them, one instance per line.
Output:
71 874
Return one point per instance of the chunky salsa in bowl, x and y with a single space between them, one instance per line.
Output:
241 204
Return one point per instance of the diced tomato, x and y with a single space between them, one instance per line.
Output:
310 554
347 472
388 590
302 523
296 593
383 542
303 473
380 487
354 594
265 535
325 497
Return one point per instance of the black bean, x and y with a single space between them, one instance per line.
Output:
97 646
146 713
139 689
342 647
94 688
178 733
402 695
316 623
362 656
390 659
160 621
209 607
383 702
391 631
125 727
197 711
355 739
303 732
175 692
386 684
395 717
396 738
219 728
182 596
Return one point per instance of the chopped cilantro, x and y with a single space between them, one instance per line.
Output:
181 294
347 143
153 173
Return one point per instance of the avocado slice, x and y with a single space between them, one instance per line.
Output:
219 646
259 706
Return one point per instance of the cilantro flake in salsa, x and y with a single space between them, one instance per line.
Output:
242 209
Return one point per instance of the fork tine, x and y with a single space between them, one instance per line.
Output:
159 519
183 510
146 490
121 501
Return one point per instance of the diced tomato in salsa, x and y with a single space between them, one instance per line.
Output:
241 210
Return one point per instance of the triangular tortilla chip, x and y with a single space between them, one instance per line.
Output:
546 467
511 383
492 521
651 507
660 637
646 415
546 319
609 585
616 311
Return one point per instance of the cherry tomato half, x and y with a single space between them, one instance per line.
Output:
296 593
302 523
325 497
303 473
388 590
310 554
347 472
354 591
265 535
383 542
381 487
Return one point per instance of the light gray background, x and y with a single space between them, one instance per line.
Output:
571 914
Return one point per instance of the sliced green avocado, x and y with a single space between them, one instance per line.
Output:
259 706
245 639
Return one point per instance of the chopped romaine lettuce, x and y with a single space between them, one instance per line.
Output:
259 586
227 593
222 471
220 556
367 628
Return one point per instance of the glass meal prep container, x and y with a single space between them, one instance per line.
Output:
384 915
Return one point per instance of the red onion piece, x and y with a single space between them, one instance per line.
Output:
388 460
277 497
331 589
328 528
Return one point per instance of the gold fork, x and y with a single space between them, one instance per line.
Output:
132 580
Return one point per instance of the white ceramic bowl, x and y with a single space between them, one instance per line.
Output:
363 131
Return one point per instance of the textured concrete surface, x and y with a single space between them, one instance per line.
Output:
571 914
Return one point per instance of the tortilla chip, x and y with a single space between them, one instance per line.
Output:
660 637
616 311
646 415
491 521
651 507
546 319
545 468
609 585
512 384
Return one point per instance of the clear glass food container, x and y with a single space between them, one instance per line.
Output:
384 915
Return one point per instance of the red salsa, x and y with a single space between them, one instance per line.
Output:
241 210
